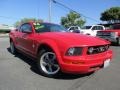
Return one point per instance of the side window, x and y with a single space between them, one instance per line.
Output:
76 28
117 26
94 28
97 28
72 28
100 28
25 27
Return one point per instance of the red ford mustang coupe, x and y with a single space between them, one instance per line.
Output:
55 49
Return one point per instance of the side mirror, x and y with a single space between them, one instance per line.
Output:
76 31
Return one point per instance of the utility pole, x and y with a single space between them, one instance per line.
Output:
50 5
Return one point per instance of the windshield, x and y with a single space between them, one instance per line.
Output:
48 27
86 27
116 26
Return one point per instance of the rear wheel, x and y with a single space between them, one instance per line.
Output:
12 47
47 63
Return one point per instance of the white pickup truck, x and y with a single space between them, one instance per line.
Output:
88 30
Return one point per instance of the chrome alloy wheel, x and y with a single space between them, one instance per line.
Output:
48 63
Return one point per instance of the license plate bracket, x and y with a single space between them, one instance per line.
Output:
106 63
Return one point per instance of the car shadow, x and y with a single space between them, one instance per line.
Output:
115 45
66 76
33 67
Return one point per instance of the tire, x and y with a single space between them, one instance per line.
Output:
47 63
12 48
118 41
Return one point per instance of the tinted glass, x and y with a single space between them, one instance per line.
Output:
116 26
100 28
97 28
72 28
47 27
76 28
94 28
86 27
25 27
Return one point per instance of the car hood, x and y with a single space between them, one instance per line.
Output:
74 39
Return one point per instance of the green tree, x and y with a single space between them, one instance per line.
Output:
72 19
111 15
26 20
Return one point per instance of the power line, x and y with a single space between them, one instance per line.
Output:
56 2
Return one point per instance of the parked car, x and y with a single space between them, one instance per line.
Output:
74 29
56 50
112 35
92 30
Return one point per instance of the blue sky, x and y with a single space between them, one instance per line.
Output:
14 10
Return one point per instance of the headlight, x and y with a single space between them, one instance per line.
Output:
75 51
90 50
97 49
107 47
114 34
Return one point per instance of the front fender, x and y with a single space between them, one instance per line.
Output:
12 37
53 45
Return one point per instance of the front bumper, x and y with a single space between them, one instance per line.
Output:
109 38
85 64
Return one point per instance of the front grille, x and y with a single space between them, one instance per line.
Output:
103 34
97 49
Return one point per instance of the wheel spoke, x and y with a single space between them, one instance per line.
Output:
53 58
47 57
44 63
50 68
56 65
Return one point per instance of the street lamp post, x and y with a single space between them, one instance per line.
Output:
50 5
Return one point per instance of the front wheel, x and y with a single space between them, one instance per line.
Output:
12 47
47 63
118 41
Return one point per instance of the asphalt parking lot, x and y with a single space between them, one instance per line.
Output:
20 73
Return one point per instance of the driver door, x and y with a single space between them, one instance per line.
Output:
27 39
